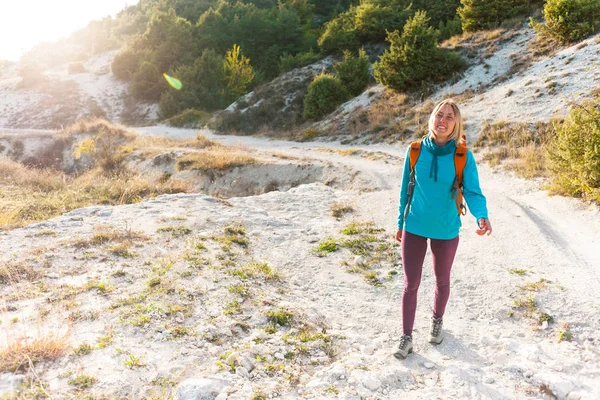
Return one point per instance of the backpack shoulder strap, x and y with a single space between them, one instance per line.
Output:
460 161
415 151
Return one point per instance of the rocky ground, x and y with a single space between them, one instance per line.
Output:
275 296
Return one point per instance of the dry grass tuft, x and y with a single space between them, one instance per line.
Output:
12 272
24 352
31 195
215 159
520 147
96 126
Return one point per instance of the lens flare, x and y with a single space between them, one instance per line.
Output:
174 82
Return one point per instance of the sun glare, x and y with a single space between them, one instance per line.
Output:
25 23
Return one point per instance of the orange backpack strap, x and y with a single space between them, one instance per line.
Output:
460 161
415 151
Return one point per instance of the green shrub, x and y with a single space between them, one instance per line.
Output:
414 59
353 72
203 87
372 21
190 118
126 63
569 20
238 73
574 154
486 14
340 34
450 28
147 83
288 62
324 94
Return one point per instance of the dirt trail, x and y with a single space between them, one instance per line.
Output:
493 350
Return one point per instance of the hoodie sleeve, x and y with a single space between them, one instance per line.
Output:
404 189
472 191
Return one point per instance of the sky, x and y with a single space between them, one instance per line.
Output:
25 23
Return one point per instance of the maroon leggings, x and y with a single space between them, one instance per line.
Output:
413 254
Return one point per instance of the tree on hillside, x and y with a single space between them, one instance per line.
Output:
203 86
170 38
414 59
353 71
574 153
486 14
325 93
238 73
569 20
147 83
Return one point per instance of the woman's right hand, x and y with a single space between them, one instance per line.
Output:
399 236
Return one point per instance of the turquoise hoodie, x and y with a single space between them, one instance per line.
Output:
433 213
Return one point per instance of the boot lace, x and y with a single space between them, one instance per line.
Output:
436 327
404 341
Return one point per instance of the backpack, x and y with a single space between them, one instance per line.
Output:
460 161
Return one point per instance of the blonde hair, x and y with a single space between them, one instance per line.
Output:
458 134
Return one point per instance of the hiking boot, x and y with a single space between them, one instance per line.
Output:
405 347
435 333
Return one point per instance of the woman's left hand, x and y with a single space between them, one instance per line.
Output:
484 227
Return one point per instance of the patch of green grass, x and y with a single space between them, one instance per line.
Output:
328 245
564 332
372 279
281 317
176 231
102 287
153 282
257 270
233 307
517 271
106 340
82 381
133 361
239 289
527 303
83 349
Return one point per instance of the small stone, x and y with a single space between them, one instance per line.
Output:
360 260
428 364
545 325
489 380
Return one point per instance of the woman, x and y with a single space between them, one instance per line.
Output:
431 213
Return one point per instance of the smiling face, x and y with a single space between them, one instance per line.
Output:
443 123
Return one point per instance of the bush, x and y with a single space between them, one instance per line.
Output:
190 118
574 154
126 63
569 20
487 14
325 93
340 34
288 62
414 59
106 147
147 83
372 21
353 72
203 87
